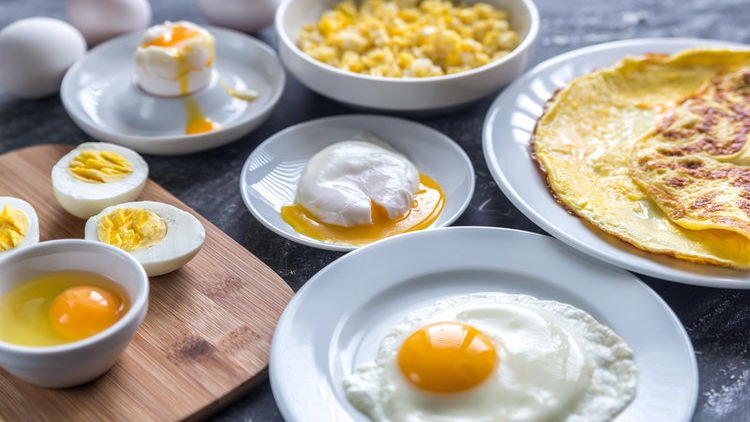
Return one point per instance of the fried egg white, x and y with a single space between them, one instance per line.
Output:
517 358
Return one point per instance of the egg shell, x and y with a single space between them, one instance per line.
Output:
100 20
241 15
34 55
32 235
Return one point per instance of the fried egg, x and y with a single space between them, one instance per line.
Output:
96 175
19 225
494 356
160 236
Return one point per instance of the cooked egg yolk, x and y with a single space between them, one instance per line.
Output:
80 312
99 166
447 357
13 227
427 205
131 229
171 38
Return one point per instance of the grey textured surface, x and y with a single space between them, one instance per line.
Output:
718 321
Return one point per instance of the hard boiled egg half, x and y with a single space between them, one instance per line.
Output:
96 175
19 225
160 236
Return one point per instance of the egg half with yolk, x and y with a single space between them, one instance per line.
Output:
96 175
19 224
493 356
160 236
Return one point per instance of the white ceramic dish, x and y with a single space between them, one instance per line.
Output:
337 320
75 363
402 94
507 132
101 95
270 174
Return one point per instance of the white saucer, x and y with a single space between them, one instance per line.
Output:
507 131
269 176
337 320
100 94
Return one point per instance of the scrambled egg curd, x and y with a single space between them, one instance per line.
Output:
408 38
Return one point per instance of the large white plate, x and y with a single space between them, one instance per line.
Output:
336 321
100 94
271 173
507 131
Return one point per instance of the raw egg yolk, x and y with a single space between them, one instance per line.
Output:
171 38
13 227
447 357
426 207
99 166
80 312
131 229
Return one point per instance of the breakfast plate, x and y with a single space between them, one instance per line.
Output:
100 94
337 320
271 173
507 132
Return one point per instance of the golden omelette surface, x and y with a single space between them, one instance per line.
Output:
606 144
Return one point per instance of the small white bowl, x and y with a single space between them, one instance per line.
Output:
403 94
74 363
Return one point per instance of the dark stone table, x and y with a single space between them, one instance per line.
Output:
718 321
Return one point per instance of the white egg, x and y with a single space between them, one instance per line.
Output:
552 361
101 20
242 15
339 182
99 183
182 240
34 55
19 224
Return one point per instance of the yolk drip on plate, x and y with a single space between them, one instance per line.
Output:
427 205
447 357
99 166
197 122
13 227
131 229
60 307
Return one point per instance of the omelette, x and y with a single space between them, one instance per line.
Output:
654 150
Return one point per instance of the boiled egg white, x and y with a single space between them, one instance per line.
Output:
160 236
493 356
96 175
19 224
175 58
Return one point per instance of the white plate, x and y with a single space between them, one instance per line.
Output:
507 131
270 175
100 94
336 321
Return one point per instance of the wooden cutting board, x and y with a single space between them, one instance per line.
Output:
205 339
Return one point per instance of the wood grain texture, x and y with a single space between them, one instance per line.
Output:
205 339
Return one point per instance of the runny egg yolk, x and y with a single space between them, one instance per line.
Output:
196 121
447 357
171 38
426 207
82 311
131 229
13 227
99 166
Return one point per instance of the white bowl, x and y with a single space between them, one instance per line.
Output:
402 94
74 363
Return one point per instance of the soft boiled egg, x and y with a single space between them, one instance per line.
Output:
96 175
19 225
359 191
493 356
160 236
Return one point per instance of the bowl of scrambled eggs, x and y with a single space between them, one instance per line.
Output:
406 55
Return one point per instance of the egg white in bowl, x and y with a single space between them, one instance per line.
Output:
495 356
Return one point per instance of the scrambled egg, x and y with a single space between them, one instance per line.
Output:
408 38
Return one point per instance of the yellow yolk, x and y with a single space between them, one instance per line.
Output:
196 121
99 166
176 35
82 311
60 307
13 227
426 207
447 357
131 229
